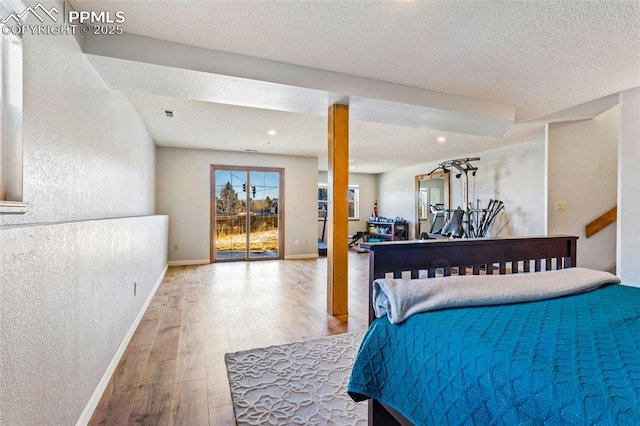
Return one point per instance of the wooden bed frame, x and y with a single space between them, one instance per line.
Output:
475 256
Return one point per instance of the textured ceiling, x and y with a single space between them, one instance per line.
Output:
543 57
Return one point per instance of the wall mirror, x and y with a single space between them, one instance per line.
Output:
432 201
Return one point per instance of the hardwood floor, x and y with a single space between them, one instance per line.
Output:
173 371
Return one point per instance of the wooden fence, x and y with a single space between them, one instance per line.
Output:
237 224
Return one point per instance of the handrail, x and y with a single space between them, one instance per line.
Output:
602 222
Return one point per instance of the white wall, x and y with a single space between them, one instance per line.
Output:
582 171
87 154
66 278
368 193
67 299
184 193
628 232
514 174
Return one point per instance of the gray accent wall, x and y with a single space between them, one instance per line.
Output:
67 267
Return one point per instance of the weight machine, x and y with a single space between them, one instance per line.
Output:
472 222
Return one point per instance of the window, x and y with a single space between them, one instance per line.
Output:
323 201
11 125
353 200
352 204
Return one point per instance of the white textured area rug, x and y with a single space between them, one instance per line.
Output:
303 383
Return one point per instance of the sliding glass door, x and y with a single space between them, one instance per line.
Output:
246 215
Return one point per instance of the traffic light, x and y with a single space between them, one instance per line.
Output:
244 187
253 191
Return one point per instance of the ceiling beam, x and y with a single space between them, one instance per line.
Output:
132 62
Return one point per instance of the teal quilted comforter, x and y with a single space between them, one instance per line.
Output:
570 360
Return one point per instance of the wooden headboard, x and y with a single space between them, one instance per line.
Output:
476 256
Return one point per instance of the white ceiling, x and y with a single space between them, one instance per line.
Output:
548 59
379 147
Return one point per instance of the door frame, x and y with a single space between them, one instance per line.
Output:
447 200
212 210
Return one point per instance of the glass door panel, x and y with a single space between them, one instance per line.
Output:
230 214
264 235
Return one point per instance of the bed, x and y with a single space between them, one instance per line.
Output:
567 359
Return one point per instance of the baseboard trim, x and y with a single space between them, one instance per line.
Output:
189 262
85 417
301 256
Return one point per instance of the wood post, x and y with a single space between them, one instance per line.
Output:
337 221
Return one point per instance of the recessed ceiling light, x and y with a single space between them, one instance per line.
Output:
168 112
442 139
351 161
353 167
272 132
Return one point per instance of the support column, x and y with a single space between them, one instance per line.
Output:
337 220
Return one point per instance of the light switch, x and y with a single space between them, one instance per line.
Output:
561 206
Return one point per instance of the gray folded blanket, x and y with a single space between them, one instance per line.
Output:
398 299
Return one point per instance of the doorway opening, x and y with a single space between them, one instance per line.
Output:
246 213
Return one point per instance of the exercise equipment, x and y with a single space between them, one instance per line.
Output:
472 222
354 238
462 166
454 227
322 245
479 219
439 214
